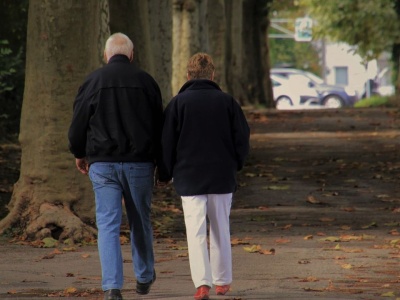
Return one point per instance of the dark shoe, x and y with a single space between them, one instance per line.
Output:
144 288
112 294
202 293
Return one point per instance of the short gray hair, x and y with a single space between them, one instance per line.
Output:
118 43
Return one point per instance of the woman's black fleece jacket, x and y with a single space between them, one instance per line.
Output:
205 139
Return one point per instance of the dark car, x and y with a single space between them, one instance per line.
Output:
331 96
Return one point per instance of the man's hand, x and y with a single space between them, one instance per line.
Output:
82 165
163 183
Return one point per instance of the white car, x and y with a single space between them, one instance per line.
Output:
294 93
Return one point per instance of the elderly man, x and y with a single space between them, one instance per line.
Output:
115 136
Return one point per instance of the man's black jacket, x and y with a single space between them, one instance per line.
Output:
117 115
205 139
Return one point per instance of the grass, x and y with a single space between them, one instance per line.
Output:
377 101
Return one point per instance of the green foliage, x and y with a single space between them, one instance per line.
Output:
8 65
14 17
299 55
285 52
374 101
371 26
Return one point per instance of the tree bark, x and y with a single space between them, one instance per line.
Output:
148 24
258 87
65 42
185 39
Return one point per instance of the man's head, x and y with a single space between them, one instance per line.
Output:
200 66
118 43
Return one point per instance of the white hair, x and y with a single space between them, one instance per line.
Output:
118 43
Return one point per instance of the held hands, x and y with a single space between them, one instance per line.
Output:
82 165
162 183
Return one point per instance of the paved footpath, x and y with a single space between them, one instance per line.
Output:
316 217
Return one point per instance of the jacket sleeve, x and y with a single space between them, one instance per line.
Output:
158 125
169 140
80 121
241 134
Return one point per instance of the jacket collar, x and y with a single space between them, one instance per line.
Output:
199 84
119 58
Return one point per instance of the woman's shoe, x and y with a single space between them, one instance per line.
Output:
222 289
202 293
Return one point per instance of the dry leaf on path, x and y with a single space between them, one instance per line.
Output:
311 199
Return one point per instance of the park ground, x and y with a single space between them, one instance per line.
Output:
316 216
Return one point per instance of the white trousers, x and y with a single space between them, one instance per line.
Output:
216 267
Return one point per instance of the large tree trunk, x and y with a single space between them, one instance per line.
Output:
148 24
216 34
185 38
65 42
236 57
258 87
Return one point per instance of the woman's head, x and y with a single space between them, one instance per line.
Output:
200 66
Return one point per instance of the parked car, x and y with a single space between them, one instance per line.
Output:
331 96
293 95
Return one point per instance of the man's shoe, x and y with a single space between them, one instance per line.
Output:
222 289
112 294
144 288
202 293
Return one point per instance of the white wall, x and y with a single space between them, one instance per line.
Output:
341 55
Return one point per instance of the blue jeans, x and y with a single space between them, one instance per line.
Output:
134 183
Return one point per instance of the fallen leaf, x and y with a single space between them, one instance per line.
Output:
237 241
330 239
70 290
252 249
346 266
303 262
310 279
278 187
250 175
282 241
349 209
367 237
49 243
392 224
268 252
308 237
388 294
347 250
373 224
326 219
311 199
263 208
313 290
350 238
69 249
